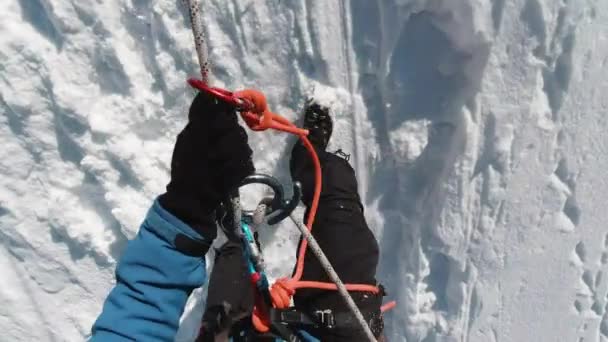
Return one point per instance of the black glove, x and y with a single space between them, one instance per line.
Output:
211 158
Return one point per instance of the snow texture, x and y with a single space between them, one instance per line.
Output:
476 127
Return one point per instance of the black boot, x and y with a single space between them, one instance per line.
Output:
319 123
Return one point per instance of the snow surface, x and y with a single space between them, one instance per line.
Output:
476 129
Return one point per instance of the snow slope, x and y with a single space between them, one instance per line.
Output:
476 129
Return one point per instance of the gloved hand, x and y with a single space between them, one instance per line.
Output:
210 159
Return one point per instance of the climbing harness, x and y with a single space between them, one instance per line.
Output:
274 301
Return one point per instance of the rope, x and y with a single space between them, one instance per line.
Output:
388 306
196 19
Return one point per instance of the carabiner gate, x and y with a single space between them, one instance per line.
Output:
278 208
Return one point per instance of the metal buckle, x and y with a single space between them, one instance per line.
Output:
290 317
342 155
326 318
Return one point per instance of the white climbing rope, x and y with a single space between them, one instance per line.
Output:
196 18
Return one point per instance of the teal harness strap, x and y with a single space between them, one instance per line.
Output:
255 263
308 337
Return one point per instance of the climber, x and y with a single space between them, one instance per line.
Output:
340 229
165 262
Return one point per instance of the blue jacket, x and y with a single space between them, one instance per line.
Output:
153 282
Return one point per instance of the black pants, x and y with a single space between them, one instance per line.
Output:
342 232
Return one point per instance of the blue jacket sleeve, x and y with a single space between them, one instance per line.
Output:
153 282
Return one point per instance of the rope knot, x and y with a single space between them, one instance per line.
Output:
257 117
281 292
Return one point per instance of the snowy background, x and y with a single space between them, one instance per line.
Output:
477 129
